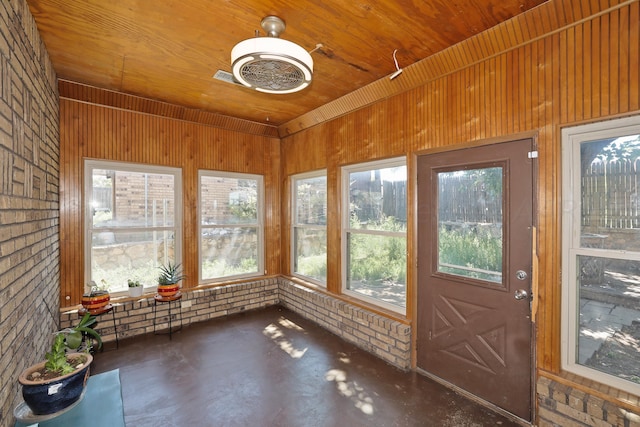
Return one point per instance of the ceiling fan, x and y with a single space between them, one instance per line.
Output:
269 64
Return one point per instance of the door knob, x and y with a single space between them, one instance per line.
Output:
521 294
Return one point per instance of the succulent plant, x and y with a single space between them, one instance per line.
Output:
133 283
94 289
170 273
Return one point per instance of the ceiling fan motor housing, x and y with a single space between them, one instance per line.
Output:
270 64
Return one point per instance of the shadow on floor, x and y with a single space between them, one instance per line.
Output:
272 367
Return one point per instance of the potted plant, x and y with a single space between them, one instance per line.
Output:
168 281
135 288
96 297
58 382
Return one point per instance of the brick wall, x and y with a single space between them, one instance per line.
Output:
388 339
136 317
29 211
562 406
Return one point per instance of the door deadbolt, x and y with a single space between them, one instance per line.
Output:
521 275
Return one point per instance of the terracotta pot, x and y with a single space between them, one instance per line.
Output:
47 397
168 290
94 302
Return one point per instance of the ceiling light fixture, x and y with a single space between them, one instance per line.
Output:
270 64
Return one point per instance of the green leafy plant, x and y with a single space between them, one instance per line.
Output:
314 266
472 248
170 274
375 259
71 339
220 268
57 357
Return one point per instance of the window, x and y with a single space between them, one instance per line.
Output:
309 226
374 232
230 217
133 222
601 252
469 219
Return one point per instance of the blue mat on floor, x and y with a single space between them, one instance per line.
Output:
101 405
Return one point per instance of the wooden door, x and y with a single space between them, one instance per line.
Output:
475 211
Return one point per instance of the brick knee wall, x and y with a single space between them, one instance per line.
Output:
386 338
136 317
562 406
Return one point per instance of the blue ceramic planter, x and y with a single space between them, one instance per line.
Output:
55 395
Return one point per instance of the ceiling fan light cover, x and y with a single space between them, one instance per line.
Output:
271 65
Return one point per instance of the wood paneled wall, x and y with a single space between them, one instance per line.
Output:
93 95
98 132
584 71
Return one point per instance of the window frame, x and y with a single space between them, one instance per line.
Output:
345 228
259 224
572 138
89 166
294 179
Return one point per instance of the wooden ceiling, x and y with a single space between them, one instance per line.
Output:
169 50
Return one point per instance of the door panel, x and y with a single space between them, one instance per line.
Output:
474 268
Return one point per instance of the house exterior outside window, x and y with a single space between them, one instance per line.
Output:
374 232
133 222
230 216
601 252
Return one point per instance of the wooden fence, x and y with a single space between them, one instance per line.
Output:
463 198
610 194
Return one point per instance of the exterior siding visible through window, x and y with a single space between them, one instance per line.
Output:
133 222
231 225
375 233
309 226
601 252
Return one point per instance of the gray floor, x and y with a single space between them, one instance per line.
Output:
273 368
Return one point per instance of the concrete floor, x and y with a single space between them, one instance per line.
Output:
272 367
598 321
